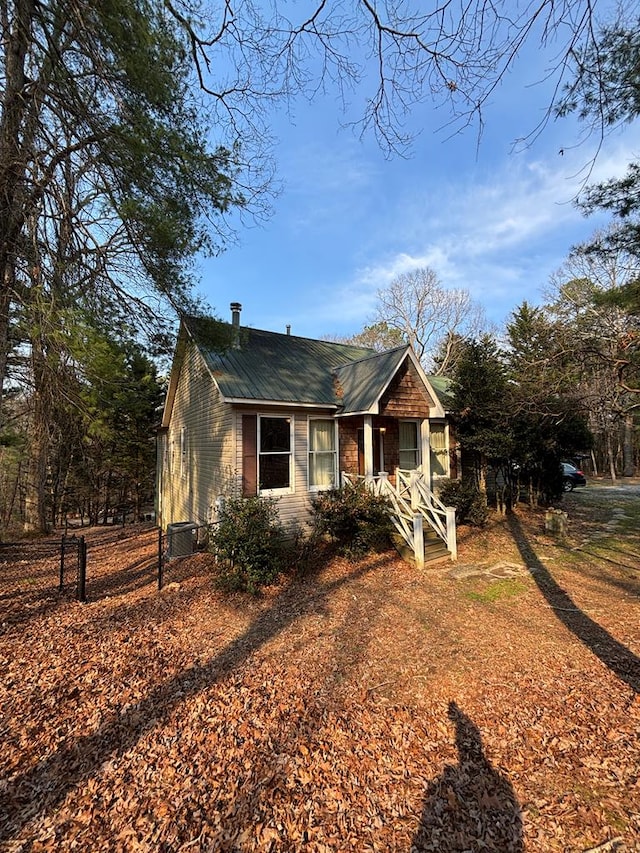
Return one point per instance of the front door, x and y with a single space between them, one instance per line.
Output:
378 452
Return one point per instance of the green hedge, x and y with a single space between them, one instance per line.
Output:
470 503
356 519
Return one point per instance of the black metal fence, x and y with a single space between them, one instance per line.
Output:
33 570
34 566
69 546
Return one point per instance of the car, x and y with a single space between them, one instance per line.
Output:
572 477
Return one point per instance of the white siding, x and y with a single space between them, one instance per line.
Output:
189 484
293 509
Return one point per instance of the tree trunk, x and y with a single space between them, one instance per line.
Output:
611 456
627 447
17 37
35 515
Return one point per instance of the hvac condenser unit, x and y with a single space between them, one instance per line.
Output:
181 538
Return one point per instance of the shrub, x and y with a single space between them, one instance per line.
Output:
356 519
248 543
470 503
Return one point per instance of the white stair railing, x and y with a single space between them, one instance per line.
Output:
412 502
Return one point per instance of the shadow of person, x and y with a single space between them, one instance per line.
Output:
471 806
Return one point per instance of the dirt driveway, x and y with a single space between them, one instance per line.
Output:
365 707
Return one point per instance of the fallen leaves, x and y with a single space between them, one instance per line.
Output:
360 707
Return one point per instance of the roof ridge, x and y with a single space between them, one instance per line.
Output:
373 355
188 317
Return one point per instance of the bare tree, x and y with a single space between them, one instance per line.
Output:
386 57
429 317
603 341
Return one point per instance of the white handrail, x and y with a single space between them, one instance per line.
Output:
410 497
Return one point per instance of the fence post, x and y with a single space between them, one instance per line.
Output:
62 543
159 558
452 544
82 570
418 540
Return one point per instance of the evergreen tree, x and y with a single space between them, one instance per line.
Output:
107 176
513 427
481 402
605 92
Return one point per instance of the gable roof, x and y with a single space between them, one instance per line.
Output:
361 383
270 366
274 368
442 386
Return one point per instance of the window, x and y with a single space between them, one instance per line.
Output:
439 455
165 452
322 454
183 452
409 445
274 458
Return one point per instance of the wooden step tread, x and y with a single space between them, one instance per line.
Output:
432 550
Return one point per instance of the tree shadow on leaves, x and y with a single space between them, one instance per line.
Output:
471 806
617 657
46 784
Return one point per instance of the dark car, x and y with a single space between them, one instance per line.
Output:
572 477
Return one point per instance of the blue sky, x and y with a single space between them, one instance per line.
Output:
493 220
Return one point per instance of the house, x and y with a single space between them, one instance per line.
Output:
252 412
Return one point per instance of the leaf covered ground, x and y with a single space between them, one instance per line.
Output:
369 706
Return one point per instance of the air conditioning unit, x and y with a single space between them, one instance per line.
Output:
181 537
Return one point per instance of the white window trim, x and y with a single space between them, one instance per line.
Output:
290 489
335 454
418 448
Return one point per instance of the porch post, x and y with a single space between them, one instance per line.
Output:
418 540
425 450
413 488
368 447
452 543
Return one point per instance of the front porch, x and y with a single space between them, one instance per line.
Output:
370 444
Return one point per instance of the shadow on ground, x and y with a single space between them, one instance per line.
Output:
42 787
471 806
620 660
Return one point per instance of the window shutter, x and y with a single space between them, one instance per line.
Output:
249 456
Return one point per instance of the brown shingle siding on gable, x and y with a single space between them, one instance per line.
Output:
406 396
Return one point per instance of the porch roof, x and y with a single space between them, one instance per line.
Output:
361 383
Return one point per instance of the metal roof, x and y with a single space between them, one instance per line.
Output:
442 386
254 365
270 366
363 382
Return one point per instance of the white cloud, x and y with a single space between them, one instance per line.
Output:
348 223
500 238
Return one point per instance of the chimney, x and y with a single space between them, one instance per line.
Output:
236 308
288 328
